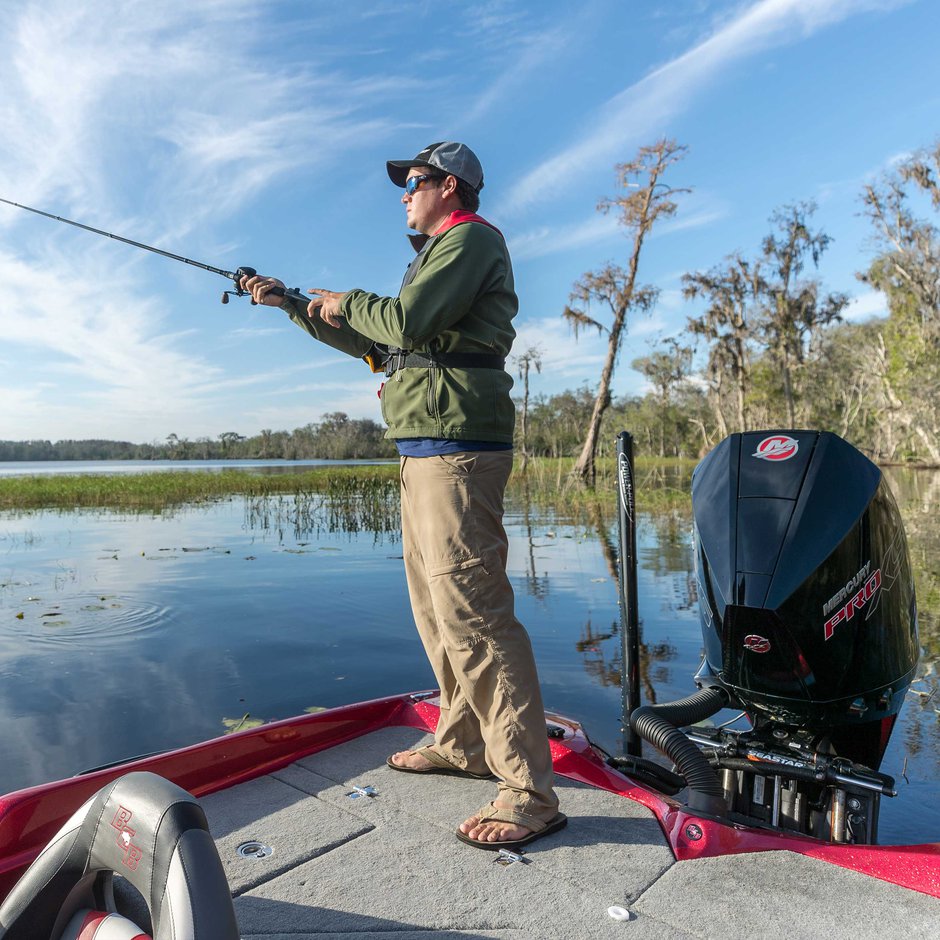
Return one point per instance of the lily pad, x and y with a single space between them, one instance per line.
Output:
241 724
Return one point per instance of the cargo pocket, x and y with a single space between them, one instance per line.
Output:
462 595
459 464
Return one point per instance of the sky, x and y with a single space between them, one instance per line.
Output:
255 132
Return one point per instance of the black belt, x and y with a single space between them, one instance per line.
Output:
404 359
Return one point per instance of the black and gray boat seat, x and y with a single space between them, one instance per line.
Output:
155 835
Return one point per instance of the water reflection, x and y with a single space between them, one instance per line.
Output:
373 510
537 586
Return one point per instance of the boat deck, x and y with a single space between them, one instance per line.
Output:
388 866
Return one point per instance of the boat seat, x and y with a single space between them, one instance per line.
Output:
100 925
149 831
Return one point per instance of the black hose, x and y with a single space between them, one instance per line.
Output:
770 769
658 724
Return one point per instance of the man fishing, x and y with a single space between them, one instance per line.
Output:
442 342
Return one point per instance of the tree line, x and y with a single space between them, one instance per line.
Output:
768 345
335 437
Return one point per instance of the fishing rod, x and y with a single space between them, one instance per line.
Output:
234 276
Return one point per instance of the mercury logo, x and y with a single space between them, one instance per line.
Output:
777 447
756 644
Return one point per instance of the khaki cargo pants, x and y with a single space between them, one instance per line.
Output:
455 548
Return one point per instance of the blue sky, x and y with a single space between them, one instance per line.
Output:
242 132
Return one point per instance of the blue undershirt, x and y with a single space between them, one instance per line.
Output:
435 446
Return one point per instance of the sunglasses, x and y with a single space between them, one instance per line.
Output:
413 182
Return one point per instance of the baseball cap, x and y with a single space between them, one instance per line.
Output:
453 158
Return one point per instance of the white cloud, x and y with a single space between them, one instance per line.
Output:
534 53
546 240
560 353
646 107
298 405
147 120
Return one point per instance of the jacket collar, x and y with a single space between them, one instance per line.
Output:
457 217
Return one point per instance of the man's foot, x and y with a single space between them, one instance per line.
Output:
418 762
410 760
487 830
480 829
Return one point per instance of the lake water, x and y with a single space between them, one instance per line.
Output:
123 634
10 468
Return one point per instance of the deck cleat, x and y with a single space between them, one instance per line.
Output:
504 857
359 792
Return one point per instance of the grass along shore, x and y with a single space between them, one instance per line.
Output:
545 482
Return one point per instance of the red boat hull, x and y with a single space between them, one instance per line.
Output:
29 818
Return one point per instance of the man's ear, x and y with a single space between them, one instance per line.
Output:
449 185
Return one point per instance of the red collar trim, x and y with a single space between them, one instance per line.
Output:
459 216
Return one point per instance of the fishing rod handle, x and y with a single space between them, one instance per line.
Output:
246 271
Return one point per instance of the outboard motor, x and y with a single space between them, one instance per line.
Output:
809 623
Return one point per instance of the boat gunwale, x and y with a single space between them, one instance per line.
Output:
29 818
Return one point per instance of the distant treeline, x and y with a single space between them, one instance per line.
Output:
335 437
679 425
554 428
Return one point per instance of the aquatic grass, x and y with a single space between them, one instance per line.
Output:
660 485
546 483
159 491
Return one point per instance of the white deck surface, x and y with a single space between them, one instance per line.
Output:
390 867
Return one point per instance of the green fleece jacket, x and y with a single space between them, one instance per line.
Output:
460 298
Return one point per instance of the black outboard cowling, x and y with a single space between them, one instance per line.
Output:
805 587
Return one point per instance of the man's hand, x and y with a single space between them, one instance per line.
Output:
326 305
259 287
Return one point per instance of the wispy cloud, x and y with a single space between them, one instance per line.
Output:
216 124
147 120
253 333
646 107
547 240
563 358
534 52
569 363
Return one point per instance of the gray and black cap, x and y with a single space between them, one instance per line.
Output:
450 157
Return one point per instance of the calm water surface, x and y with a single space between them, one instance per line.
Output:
126 634
11 468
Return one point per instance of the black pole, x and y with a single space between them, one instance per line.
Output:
629 618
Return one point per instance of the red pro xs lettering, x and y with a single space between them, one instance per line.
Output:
856 603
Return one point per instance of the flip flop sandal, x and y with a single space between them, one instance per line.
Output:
553 825
444 768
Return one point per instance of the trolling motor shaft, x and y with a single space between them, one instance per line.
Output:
234 276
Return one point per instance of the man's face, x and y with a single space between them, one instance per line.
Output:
425 209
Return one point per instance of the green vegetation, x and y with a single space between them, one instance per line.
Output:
548 483
660 484
157 491
774 349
